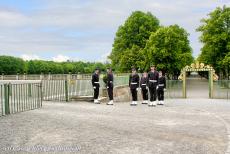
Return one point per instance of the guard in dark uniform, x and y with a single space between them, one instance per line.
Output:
134 85
109 85
144 87
96 85
153 83
161 88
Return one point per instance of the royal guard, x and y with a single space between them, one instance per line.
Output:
134 85
153 83
161 88
109 85
144 87
96 85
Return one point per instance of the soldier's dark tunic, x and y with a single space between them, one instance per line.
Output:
153 82
134 84
161 87
144 85
96 85
109 85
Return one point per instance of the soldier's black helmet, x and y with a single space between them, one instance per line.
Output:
97 69
133 69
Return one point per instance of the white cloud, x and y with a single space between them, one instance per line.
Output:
30 57
11 18
92 25
104 57
61 58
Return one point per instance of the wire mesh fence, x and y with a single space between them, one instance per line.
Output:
62 87
64 90
221 89
18 96
174 89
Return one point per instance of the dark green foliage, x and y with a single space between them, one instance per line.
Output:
105 79
132 36
12 65
168 48
141 42
215 36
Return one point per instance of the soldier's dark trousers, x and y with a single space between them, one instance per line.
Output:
153 94
134 94
96 93
110 93
160 93
145 94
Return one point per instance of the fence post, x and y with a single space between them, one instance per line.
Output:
66 91
211 83
69 76
29 90
184 84
7 103
17 76
41 76
40 94
24 76
2 77
49 76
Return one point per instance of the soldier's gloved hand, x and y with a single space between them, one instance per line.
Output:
107 87
94 87
147 88
157 87
137 89
165 89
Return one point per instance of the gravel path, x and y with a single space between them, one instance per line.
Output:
182 126
197 87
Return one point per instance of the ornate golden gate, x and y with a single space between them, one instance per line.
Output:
198 67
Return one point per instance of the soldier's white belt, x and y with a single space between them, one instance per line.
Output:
133 83
153 80
161 85
143 84
96 82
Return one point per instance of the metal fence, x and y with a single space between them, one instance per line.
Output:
50 76
62 87
18 96
221 89
64 90
174 89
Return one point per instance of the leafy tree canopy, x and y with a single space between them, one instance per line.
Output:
168 48
215 36
133 34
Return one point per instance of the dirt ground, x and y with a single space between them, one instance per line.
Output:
182 126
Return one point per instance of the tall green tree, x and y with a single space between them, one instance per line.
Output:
215 36
11 65
168 48
131 57
135 32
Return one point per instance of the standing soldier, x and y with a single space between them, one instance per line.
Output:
96 85
153 83
109 85
161 88
144 87
134 84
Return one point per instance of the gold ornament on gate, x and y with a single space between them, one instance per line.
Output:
197 66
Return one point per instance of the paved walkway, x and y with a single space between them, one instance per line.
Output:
197 87
191 126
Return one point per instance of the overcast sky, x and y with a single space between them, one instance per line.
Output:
84 29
